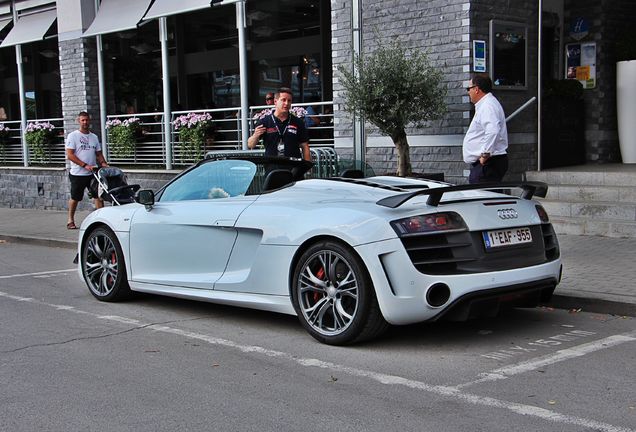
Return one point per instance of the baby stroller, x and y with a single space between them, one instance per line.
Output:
109 184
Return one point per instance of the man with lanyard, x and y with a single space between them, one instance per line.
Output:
486 142
283 134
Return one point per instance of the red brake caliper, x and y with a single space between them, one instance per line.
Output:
113 260
320 275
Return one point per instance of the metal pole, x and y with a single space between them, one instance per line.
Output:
23 114
539 84
101 89
240 26
359 138
165 71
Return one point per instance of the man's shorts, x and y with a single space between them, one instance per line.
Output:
78 185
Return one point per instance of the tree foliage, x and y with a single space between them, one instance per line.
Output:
394 88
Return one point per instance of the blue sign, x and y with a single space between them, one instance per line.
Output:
579 28
479 56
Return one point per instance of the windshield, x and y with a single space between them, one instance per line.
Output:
212 180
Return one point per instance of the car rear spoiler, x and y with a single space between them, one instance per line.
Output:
530 189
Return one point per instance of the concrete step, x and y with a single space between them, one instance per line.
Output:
581 178
579 193
591 199
597 227
593 210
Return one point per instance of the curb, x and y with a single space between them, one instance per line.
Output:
596 305
66 244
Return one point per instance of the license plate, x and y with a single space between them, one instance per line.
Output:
507 237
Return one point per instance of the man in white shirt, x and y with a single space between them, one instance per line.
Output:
486 141
84 152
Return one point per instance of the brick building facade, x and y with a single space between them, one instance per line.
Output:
445 30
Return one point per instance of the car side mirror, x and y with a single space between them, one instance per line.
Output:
145 197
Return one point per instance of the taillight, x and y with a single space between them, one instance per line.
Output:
429 223
543 215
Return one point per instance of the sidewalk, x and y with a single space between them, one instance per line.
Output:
599 272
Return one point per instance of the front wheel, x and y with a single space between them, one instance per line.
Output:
333 296
103 266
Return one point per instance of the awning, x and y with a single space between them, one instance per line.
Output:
118 15
4 23
30 28
162 8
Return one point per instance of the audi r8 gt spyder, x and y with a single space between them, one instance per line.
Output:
348 255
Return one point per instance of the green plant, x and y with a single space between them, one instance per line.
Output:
122 136
393 88
193 129
38 137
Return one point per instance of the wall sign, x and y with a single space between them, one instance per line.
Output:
509 55
579 29
580 61
479 56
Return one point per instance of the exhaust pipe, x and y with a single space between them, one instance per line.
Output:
438 294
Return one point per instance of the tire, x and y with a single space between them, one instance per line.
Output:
103 266
333 296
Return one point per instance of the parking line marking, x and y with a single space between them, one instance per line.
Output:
38 273
453 392
546 360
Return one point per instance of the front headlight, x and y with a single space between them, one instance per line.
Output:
429 224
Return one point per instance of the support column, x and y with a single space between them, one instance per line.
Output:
21 94
165 72
359 137
243 72
79 81
23 114
79 76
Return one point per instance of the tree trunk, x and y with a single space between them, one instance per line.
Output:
404 158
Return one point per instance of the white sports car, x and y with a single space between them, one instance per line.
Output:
348 256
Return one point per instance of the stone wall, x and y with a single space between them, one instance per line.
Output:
79 81
49 188
445 30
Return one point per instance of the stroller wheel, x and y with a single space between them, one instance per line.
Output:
103 266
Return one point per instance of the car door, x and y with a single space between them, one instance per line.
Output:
186 238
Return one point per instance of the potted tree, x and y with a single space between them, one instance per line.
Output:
393 88
626 95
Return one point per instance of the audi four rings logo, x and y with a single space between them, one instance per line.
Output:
507 213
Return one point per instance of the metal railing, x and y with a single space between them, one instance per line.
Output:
150 149
11 146
11 149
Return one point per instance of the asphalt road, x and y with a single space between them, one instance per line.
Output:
71 363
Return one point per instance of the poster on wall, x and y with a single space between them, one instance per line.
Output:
580 60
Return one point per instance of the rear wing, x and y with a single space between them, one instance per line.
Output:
530 189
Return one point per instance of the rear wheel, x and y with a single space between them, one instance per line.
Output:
334 297
103 266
